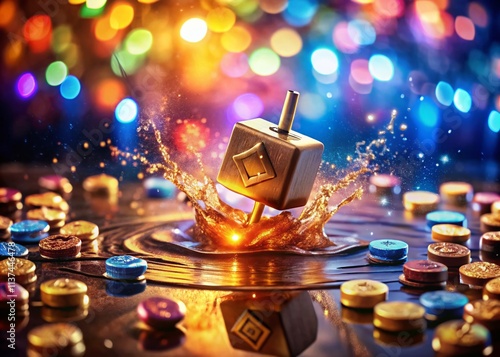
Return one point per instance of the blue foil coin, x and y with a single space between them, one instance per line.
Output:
157 187
29 231
388 249
125 267
10 249
445 217
444 304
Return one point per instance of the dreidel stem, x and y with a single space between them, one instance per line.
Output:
284 127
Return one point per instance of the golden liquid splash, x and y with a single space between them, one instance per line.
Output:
220 225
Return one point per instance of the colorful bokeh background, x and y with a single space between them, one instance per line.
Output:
77 75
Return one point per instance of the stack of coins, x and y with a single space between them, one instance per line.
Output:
482 201
87 232
5 224
395 316
161 313
48 200
383 184
22 269
10 201
445 217
64 293
101 185
158 187
13 297
491 289
420 202
29 231
11 249
60 246
490 222
443 305
55 183
363 293
450 233
479 273
486 313
424 274
450 254
54 217
459 338
456 193
495 207
126 267
59 339
387 251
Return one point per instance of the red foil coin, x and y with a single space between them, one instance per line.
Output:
425 271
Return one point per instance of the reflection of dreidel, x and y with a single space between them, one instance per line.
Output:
270 164
276 323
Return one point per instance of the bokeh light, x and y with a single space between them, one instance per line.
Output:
95 4
248 106
361 32
108 93
26 85
194 30
462 100
191 136
465 28
494 121
360 72
444 93
56 73
428 113
61 38
324 61
264 62
220 19
237 39
478 14
121 16
126 111
8 10
129 62
342 39
234 64
381 67
286 42
103 31
311 106
300 12
70 87
138 41
273 6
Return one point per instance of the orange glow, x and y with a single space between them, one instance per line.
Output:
428 11
8 10
235 238
108 93
465 28
76 2
442 4
103 31
236 40
273 6
37 28
13 52
121 16
191 135
478 14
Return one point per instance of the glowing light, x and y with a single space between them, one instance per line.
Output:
444 159
128 61
428 113
191 136
389 8
235 238
381 67
342 39
427 11
8 10
361 32
220 19
462 100
360 72
56 73
76 2
194 30
311 106
26 85
478 14
324 61
300 12
234 64
236 40
286 42
88 13
444 93
108 93
494 121
273 6
126 111
248 106
103 31
264 62
37 28
121 16
95 4
138 41
465 28
61 38
70 88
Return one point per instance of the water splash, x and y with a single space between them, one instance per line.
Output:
220 225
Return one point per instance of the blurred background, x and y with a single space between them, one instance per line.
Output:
78 76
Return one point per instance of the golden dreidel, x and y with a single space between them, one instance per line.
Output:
270 164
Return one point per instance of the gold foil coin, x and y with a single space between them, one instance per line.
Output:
459 338
492 289
420 202
101 184
48 200
450 233
61 339
399 316
22 269
63 292
363 293
55 218
479 273
456 193
490 222
82 229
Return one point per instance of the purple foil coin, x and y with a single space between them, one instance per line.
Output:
161 313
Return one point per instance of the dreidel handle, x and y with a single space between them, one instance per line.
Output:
284 127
